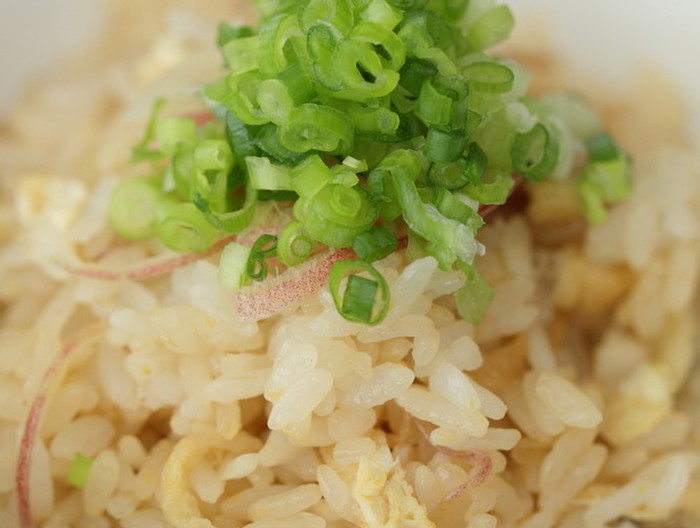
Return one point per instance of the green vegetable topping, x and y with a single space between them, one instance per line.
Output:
381 121
79 470
359 299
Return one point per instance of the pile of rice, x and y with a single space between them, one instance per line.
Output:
572 404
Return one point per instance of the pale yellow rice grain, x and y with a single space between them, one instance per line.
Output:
206 482
121 505
88 435
344 423
388 381
349 451
286 503
430 407
240 466
300 398
566 401
101 482
335 491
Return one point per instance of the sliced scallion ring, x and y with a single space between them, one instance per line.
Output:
366 295
535 153
489 77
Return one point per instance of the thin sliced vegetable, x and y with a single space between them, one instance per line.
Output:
362 299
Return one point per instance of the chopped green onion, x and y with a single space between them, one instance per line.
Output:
133 208
172 132
408 5
336 214
458 174
294 245
273 37
239 138
474 298
454 9
267 139
310 176
612 178
316 127
230 221
226 32
241 54
321 44
356 165
344 176
213 155
268 8
183 171
385 44
454 208
494 188
79 470
298 86
602 147
211 187
442 146
265 246
358 300
141 151
449 240
232 266
277 196
489 77
414 73
443 102
362 71
535 153
336 15
492 27
359 113
182 227
363 300
591 202
262 174
382 13
274 101
606 177
240 97
373 119
476 162
375 243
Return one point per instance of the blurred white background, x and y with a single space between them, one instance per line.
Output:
612 38
35 34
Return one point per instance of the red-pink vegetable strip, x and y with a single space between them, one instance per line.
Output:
290 288
157 266
31 426
480 460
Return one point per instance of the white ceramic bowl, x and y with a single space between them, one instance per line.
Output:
616 39
610 38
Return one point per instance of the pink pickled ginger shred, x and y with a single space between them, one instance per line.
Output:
30 431
290 288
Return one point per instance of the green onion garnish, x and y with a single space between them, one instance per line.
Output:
375 244
233 265
535 153
606 178
362 119
79 470
265 246
294 245
363 299
133 208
